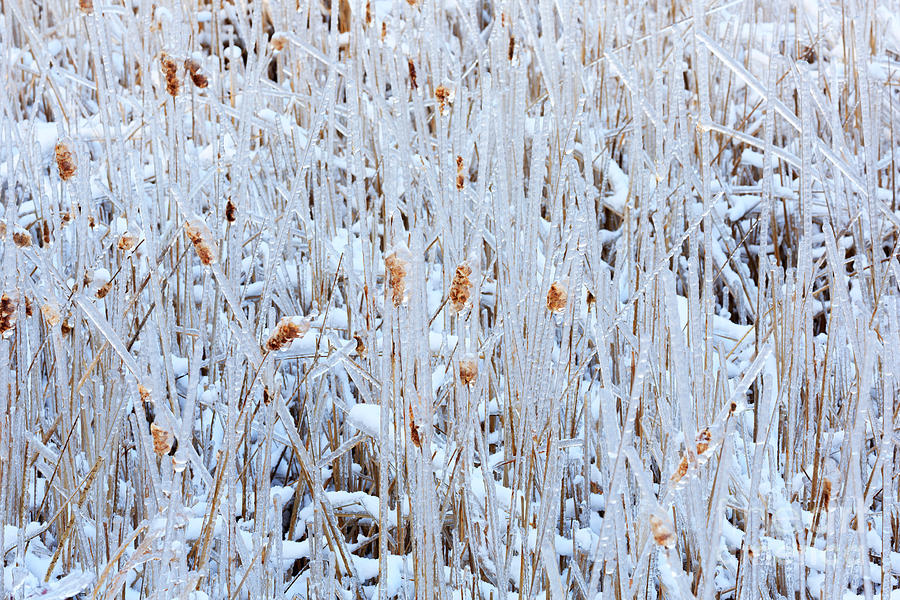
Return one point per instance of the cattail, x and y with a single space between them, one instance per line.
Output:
230 211
7 315
103 290
460 288
826 494
468 370
66 327
397 268
662 532
278 42
557 298
460 178
170 70
86 6
703 440
369 17
3 229
443 96
360 345
50 311
412 74
162 440
45 232
65 162
200 236
28 309
512 48
193 69
22 238
383 30
414 430
287 330
127 242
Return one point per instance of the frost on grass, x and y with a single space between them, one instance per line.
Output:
600 299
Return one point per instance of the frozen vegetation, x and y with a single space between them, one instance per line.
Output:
449 299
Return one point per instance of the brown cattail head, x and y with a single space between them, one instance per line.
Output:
826 494
170 71
287 330
460 288
369 17
703 440
127 242
662 532
468 370
21 238
86 6
201 237
65 161
7 315
557 297
278 42
197 77
412 74
360 345
103 290
230 211
414 430
66 327
397 265
162 440
442 93
50 311
512 48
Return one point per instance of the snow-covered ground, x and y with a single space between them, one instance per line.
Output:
449 299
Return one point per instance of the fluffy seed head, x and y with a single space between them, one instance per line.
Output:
287 330
557 297
442 93
22 238
7 315
50 311
662 532
460 288
412 74
170 71
162 440
468 371
65 161
201 238
397 268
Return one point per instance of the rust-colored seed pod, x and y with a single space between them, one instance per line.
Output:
51 314
460 288
703 440
104 289
170 71
512 48
200 235
230 211
460 182
162 440
397 269
662 533
557 297
459 163
65 162
7 315
126 242
66 327
414 430
468 371
285 332
412 74
278 42
86 6
442 94
45 232
22 239
369 17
